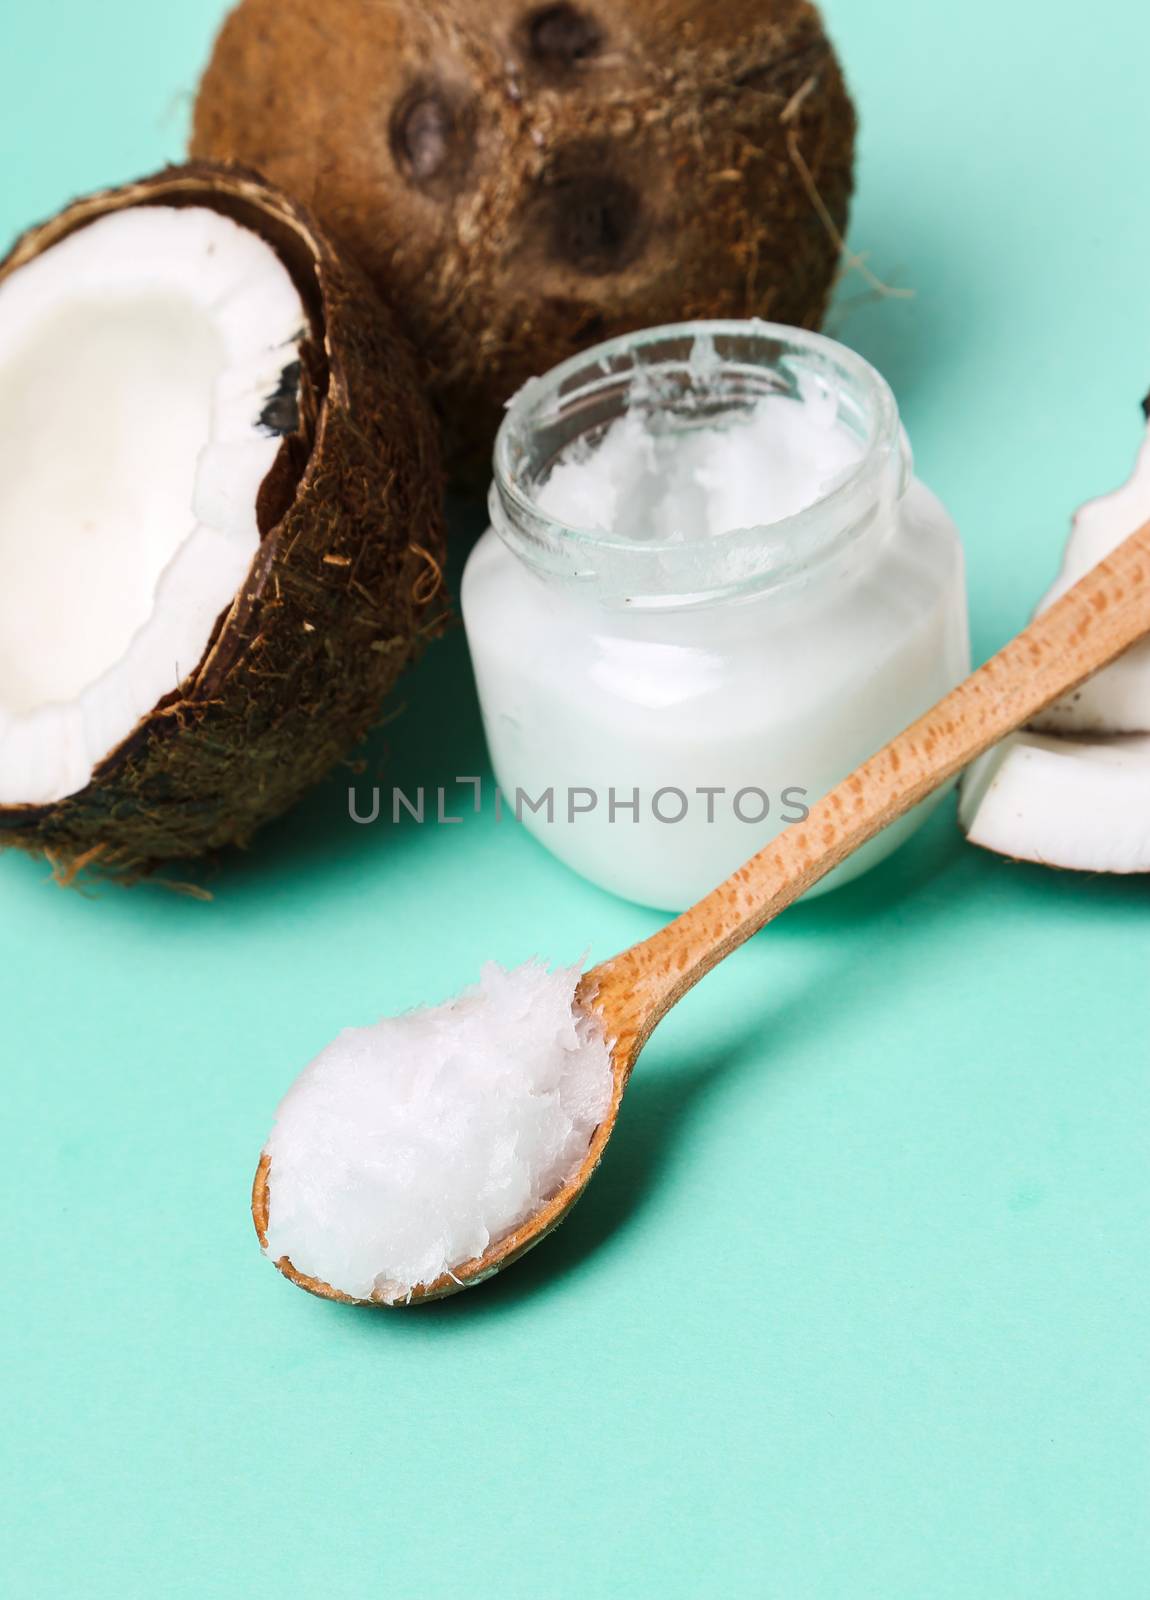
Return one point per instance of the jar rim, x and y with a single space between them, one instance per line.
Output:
789 546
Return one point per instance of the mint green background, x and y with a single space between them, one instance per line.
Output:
858 1305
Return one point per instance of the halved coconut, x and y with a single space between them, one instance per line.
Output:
1077 803
1074 790
220 517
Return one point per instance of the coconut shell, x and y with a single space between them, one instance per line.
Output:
340 597
523 181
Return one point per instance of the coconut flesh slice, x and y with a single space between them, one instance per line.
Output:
1083 804
1117 699
1073 791
147 363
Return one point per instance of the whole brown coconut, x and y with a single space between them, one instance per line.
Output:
524 180
341 593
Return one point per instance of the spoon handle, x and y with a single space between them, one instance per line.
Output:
1103 615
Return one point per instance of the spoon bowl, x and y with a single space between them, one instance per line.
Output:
1094 622
497 1256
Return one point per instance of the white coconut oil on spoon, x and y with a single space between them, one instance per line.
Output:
410 1146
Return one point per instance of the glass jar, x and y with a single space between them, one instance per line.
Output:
656 710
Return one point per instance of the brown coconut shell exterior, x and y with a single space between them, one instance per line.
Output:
523 181
340 597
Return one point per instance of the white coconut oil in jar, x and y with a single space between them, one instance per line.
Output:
712 586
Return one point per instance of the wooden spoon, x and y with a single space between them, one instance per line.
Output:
1103 615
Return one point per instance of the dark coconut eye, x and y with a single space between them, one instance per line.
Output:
432 139
593 221
561 36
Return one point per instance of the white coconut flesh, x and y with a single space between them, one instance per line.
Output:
1117 699
138 358
1077 803
1074 790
